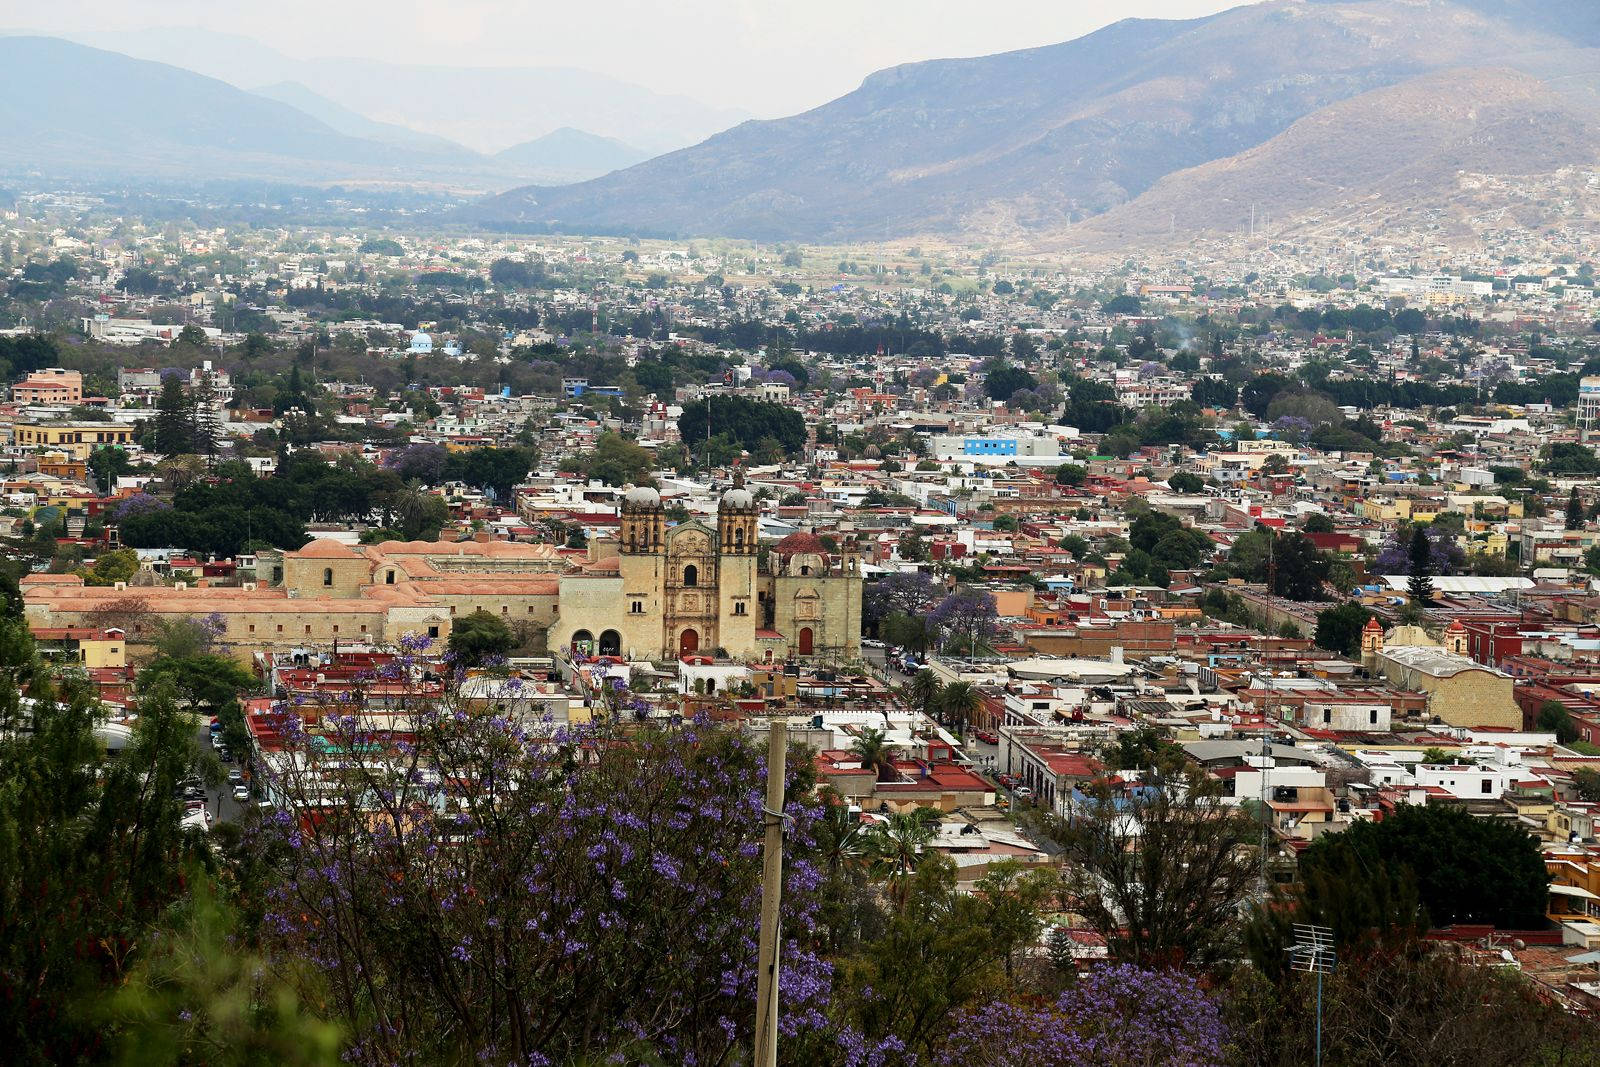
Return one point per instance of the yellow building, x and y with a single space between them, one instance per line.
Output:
688 588
77 439
1460 692
664 591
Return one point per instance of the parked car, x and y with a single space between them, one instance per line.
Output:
223 754
1023 792
235 776
241 792
987 737
1008 780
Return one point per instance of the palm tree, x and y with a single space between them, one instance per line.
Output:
923 691
875 750
896 846
960 701
841 840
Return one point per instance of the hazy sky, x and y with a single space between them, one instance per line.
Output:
770 57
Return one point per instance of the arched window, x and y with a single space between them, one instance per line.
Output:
691 575
327 576
388 577
738 538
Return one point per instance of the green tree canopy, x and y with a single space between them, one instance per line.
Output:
1466 869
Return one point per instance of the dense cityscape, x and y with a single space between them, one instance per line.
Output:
430 641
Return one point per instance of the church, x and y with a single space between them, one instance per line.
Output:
657 592
671 591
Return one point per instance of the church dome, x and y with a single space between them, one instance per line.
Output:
738 498
642 496
800 543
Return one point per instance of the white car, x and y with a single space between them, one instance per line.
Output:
241 792
1023 792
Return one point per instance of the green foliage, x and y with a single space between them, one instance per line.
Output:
614 461
746 422
196 998
1466 869
1070 474
1001 381
1570 458
1555 718
117 565
495 470
91 852
479 637
1186 482
1339 628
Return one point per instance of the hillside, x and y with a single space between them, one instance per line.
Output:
351 123
1025 142
485 108
569 155
1393 152
71 109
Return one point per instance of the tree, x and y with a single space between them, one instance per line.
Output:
967 615
117 565
896 846
1419 583
907 631
1186 482
480 637
174 426
1317 523
1116 1014
1466 869
902 592
108 463
559 897
924 690
875 751
1339 628
616 461
960 702
1574 511
91 851
1214 393
746 423
499 470
1070 474
1160 870
1556 719
1001 381
1143 748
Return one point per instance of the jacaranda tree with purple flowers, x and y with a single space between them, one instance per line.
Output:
489 885
1118 1015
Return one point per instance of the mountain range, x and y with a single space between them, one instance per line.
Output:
70 110
488 109
1296 106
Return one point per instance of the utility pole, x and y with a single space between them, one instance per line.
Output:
766 1050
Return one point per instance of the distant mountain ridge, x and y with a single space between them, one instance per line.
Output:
1033 142
484 108
70 110
572 155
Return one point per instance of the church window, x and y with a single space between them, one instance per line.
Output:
738 609
388 578
636 608
327 576
691 575
738 538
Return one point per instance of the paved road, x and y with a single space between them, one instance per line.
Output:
219 798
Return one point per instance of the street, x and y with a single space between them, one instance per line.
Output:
219 798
